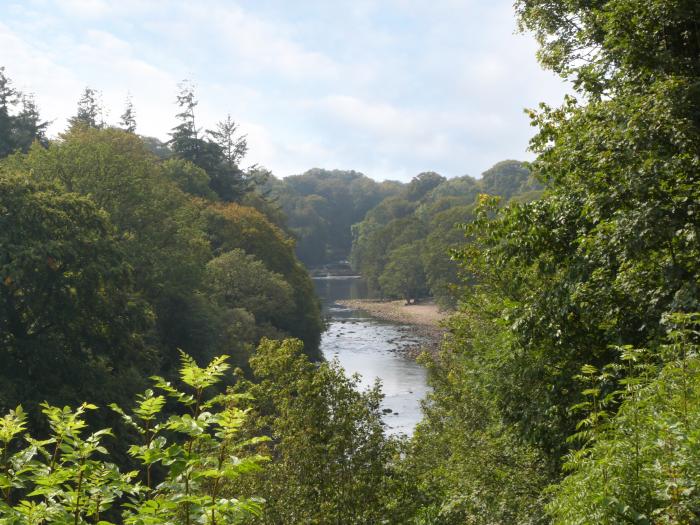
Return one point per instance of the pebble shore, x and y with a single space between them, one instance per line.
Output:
424 319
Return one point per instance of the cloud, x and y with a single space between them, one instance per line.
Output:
85 8
375 117
390 88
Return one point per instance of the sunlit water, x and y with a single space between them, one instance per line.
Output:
371 348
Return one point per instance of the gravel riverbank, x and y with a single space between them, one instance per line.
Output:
424 319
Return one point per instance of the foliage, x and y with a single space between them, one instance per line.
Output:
404 275
71 322
18 130
161 240
607 44
186 462
612 246
89 113
218 157
467 464
189 177
185 140
606 259
238 280
640 465
425 215
128 118
322 205
331 461
507 179
232 226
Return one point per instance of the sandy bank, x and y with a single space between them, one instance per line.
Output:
424 318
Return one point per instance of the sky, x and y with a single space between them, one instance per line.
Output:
390 88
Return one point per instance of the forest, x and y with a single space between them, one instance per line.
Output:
159 329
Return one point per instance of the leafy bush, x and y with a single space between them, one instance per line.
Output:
643 464
185 461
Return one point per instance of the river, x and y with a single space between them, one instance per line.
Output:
371 348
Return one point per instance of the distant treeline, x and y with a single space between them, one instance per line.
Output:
398 235
403 245
322 205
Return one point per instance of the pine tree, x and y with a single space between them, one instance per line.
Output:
28 126
227 179
8 99
233 148
128 118
89 111
185 136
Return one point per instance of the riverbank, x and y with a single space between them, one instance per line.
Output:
424 319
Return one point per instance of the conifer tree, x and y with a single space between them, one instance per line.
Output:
128 118
28 126
89 111
228 149
185 136
8 99
233 147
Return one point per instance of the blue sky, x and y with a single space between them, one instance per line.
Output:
387 87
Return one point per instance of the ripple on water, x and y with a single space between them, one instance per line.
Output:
372 349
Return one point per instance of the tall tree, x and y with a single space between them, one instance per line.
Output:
329 447
185 136
89 111
70 321
28 124
233 146
227 179
128 118
612 248
8 99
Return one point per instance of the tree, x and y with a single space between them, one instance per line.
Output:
466 464
507 178
89 111
422 184
228 180
8 99
70 320
234 147
189 178
160 229
322 205
328 441
28 125
185 140
403 275
604 46
128 118
237 280
18 131
232 226
441 269
611 247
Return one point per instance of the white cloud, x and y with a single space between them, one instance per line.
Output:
85 8
391 88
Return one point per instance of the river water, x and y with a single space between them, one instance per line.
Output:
371 348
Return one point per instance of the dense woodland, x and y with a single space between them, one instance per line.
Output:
403 246
398 236
159 337
321 207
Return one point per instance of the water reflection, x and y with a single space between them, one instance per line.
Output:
370 347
